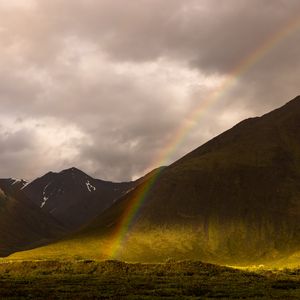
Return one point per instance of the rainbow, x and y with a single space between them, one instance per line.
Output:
135 203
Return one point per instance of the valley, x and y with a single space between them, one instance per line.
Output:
149 149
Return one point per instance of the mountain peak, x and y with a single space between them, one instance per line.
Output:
72 196
73 171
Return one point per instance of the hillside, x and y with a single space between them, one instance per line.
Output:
23 225
235 199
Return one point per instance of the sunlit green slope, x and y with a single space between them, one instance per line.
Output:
236 199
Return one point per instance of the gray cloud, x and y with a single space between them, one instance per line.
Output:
105 85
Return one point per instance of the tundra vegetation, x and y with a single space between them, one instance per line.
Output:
112 279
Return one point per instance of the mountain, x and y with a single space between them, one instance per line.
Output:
23 225
73 197
235 199
12 186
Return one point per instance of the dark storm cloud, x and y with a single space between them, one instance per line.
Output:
104 85
213 35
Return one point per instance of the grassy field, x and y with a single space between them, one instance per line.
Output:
157 244
89 279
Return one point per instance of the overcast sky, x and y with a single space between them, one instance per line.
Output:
104 85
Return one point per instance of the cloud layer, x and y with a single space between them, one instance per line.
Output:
104 85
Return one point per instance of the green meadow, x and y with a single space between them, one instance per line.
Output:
90 279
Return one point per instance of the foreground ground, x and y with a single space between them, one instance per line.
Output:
87 279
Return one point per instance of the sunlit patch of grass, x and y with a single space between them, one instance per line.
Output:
88 248
153 245
157 244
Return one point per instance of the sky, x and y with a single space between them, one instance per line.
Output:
105 85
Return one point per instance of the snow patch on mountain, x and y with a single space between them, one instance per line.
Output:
44 201
90 187
24 185
17 180
45 198
128 191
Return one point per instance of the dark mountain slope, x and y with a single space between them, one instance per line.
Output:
252 168
237 195
73 197
12 186
23 225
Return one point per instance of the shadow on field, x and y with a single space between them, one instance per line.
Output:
88 279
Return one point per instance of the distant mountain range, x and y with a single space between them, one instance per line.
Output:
235 199
51 206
